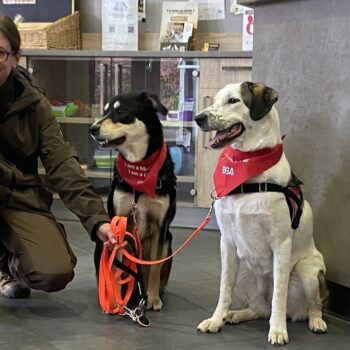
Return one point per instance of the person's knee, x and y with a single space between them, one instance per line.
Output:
52 281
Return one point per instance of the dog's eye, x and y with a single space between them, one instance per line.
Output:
120 109
232 100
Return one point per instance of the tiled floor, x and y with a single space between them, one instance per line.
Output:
72 319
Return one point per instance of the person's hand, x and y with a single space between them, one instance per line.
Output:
105 234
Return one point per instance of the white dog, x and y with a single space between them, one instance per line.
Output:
268 254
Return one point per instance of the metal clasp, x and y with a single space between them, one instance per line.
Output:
134 209
214 198
159 184
138 314
263 187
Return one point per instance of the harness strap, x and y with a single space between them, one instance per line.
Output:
289 193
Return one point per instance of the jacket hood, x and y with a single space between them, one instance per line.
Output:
26 93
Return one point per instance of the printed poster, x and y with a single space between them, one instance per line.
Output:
178 21
120 25
248 30
211 9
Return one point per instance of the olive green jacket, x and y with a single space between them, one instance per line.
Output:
28 130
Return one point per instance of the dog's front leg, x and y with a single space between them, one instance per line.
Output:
278 334
229 271
157 251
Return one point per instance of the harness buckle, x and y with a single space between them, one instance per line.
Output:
263 187
159 184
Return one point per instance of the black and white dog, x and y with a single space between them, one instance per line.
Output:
144 175
268 254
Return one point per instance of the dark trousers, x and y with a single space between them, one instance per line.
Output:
34 249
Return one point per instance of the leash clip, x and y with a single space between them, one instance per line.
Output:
214 198
133 209
138 314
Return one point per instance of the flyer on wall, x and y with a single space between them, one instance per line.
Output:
120 25
248 30
178 21
211 10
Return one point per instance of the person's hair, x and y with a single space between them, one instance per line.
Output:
9 30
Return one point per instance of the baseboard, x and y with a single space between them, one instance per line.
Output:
339 300
186 217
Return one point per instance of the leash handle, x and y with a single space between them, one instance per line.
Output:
110 278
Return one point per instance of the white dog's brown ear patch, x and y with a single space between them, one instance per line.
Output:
259 98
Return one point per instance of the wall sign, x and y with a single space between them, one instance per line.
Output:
248 30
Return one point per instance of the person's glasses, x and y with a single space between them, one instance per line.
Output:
4 55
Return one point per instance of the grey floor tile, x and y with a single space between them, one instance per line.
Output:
72 318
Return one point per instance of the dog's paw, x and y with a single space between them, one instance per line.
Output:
278 336
234 317
210 325
238 316
154 303
317 325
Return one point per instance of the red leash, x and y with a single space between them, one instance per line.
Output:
110 277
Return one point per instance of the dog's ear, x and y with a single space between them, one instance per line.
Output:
260 99
156 104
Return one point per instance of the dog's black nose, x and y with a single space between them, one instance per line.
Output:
94 129
200 119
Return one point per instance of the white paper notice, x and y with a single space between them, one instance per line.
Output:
120 25
211 9
248 30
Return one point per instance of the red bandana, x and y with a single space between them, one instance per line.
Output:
142 176
235 167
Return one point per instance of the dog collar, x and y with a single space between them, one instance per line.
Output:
235 167
142 176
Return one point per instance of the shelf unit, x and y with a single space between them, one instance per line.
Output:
93 76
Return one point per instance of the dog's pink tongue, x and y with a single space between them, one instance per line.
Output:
219 135
227 135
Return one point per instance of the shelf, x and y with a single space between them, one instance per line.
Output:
93 54
100 173
166 123
104 199
178 123
75 120
107 174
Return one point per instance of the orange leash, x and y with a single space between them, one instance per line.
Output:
178 250
111 278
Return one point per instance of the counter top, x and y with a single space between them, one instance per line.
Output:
138 54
